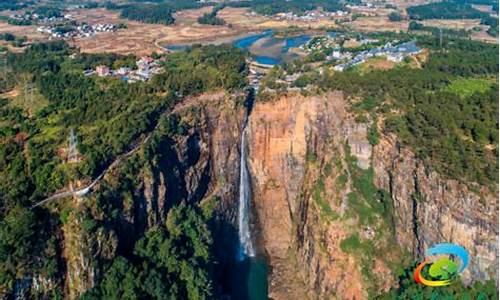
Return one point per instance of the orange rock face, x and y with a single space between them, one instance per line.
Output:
298 149
283 136
277 150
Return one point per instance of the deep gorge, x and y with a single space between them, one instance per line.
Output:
312 173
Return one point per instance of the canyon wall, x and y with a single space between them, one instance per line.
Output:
430 209
198 166
299 207
299 153
306 156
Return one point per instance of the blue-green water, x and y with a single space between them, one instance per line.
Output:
248 41
266 60
292 42
295 41
248 279
332 34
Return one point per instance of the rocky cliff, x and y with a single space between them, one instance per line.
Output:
330 212
325 233
297 163
429 209
198 166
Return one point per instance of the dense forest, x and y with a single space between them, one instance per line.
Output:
109 116
444 10
395 17
298 7
493 23
47 12
211 17
17 41
160 12
14 4
455 10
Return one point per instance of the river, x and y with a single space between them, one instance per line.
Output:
270 50
265 48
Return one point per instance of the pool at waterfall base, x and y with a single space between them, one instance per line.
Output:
247 279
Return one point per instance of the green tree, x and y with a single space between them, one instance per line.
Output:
395 17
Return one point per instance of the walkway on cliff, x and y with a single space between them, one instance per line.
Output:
83 191
187 102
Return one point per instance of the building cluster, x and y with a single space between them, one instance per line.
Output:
393 53
309 16
146 68
319 43
289 80
39 19
366 5
80 31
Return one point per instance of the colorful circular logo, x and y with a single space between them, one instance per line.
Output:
444 267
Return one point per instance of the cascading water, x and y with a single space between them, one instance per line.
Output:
246 248
248 274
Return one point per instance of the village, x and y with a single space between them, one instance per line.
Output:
80 31
59 25
146 68
310 16
34 17
395 53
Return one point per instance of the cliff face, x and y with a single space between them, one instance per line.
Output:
310 164
200 165
296 151
83 252
197 166
305 194
429 209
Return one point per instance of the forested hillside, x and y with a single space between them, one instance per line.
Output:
159 13
456 132
445 10
266 7
109 117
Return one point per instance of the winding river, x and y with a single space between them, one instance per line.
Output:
265 48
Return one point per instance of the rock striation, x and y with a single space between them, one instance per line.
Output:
302 211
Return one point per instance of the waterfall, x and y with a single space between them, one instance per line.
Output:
246 245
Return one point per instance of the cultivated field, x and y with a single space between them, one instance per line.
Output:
375 19
378 23
241 18
467 24
28 31
404 4
453 24
140 38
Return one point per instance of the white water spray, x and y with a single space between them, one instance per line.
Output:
246 244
